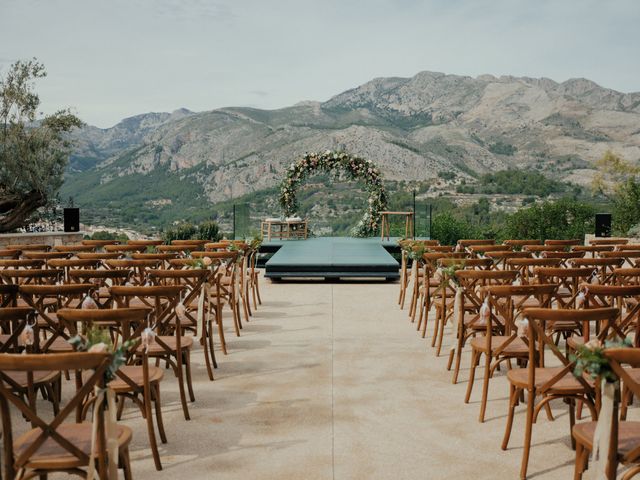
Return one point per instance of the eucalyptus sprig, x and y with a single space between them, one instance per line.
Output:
98 340
590 358
450 272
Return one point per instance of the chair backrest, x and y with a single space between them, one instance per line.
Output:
13 321
521 243
34 247
629 246
567 278
99 243
95 364
9 253
145 243
21 263
45 255
467 263
8 295
538 340
162 299
466 242
624 297
99 255
564 243
129 321
609 241
200 243
626 276
73 248
31 276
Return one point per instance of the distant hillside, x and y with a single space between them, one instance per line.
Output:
433 128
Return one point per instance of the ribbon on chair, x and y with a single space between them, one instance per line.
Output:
602 433
204 294
105 397
458 313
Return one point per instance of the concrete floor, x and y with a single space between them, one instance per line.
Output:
331 381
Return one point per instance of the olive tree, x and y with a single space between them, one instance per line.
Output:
34 149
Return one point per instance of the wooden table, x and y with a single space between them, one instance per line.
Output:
284 229
384 224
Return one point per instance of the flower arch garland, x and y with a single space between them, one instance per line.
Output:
355 167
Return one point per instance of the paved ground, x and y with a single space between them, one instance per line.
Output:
331 381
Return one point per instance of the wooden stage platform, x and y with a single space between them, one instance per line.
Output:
332 257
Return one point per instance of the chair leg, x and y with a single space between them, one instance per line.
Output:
458 352
485 387
150 430
527 435
257 284
183 395
126 463
572 420
187 363
625 399
206 336
513 400
472 374
158 408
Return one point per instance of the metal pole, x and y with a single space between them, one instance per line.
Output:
414 213
234 221
430 216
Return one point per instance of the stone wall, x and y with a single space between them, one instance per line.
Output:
48 238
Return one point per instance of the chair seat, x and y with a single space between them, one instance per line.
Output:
52 456
628 435
40 377
171 341
516 348
136 375
567 385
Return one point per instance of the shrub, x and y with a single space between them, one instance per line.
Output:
209 230
448 229
105 235
182 231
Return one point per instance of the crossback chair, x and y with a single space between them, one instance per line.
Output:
31 276
446 292
549 383
630 256
603 266
145 243
169 343
138 268
254 277
540 250
124 249
526 267
103 280
563 243
569 281
626 276
592 250
181 249
8 295
33 247
13 322
73 248
229 283
565 257
617 241
46 256
196 283
430 286
67 265
500 342
519 244
9 253
482 250
56 445
21 263
99 256
624 446
470 320
46 300
136 380
99 243
500 257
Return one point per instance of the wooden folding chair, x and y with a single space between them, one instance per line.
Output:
500 341
624 447
526 267
569 281
603 266
549 383
102 280
56 445
137 380
174 348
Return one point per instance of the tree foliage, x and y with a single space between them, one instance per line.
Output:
564 219
619 181
33 151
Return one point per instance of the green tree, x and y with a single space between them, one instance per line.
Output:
619 181
33 151
564 219
448 229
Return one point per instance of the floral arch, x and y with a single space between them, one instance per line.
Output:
355 167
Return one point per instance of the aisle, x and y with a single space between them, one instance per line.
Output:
331 381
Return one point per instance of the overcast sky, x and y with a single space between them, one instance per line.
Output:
109 59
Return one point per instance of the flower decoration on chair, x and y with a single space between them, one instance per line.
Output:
355 168
590 358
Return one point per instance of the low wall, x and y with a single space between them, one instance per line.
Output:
47 238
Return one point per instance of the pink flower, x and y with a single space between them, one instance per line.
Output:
206 261
98 348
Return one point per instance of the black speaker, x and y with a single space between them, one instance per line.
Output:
71 219
603 224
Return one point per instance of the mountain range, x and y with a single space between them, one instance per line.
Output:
414 129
